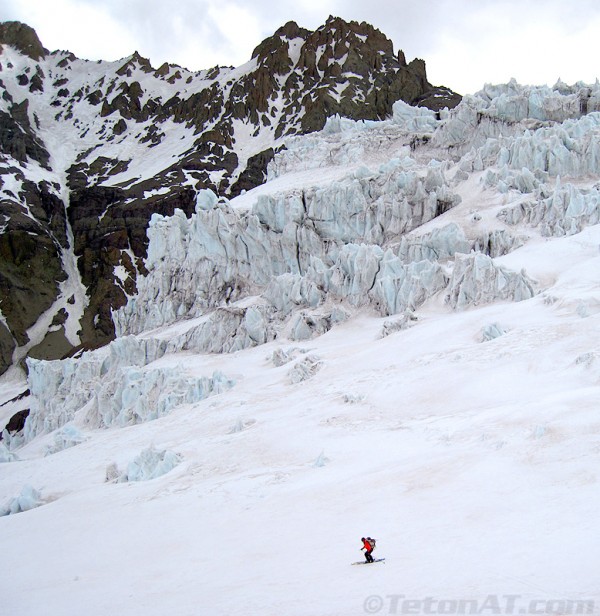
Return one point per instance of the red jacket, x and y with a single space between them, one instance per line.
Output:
367 546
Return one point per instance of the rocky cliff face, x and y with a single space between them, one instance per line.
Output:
90 150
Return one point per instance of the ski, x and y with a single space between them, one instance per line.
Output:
364 562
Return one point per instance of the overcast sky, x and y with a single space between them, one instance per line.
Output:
465 43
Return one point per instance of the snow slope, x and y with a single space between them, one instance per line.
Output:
464 434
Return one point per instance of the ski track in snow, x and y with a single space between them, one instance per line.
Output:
473 463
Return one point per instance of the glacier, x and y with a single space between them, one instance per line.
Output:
402 319
293 262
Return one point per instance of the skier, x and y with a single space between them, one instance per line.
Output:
368 546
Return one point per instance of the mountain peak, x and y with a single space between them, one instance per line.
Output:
334 33
135 60
341 51
278 42
353 29
22 37
228 126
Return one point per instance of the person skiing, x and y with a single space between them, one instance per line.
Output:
368 546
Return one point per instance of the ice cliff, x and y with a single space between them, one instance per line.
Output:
113 386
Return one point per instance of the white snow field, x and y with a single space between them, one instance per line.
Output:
161 475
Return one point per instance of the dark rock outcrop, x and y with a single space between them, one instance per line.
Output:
7 347
255 172
22 37
17 138
17 422
30 270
